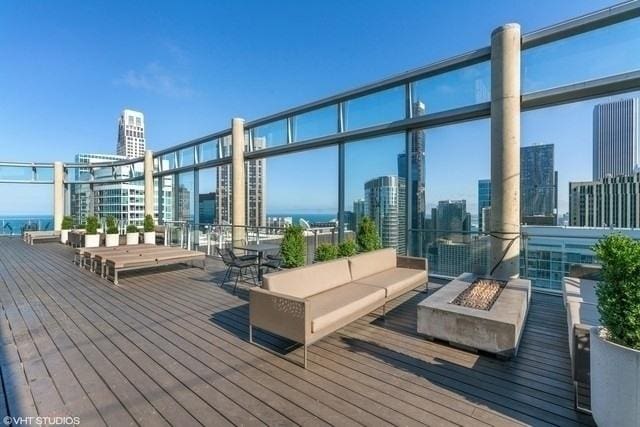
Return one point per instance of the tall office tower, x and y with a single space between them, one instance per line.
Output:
185 202
616 138
385 203
415 176
358 214
131 140
207 207
453 220
484 201
538 186
609 202
255 179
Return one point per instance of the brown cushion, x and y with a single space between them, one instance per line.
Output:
370 263
396 281
331 307
309 280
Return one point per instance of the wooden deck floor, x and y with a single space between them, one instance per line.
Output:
170 347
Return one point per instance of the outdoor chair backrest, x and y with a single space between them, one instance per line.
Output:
224 254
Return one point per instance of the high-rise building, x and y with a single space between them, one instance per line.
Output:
609 202
484 201
357 215
131 139
385 203
616 138
538 185
207 207
453 220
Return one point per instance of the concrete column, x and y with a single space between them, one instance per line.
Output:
505 152
149 198
238 181
58 195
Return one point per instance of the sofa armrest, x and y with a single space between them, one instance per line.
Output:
280 314
415 263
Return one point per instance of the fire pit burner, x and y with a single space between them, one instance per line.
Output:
481 294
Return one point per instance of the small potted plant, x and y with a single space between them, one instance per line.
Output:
292 248
615 346
67 224
326 252
133 235
92 238
367 237
347 248
149 230
113 237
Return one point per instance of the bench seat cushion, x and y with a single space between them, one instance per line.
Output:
396 281
337 306
370 263
303 282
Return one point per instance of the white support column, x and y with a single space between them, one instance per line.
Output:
238 174
58 195
505 151
149 198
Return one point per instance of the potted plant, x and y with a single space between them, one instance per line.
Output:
326 252
149 230
92 238
347 248
292 248
133 235
367 236
113 237
615 346
67 224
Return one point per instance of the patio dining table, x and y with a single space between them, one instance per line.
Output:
260 249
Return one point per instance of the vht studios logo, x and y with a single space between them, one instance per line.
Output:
54 421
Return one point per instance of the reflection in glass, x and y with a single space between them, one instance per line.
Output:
269 135
453 89
184 197
598 53
375 109
316 123
207 196
168 161
186 156
207 151
376 187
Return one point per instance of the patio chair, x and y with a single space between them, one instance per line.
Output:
240 265
272 262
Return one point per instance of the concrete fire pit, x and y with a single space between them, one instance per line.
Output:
496 330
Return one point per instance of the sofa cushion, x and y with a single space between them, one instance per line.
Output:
332 307
309 280
396 281
370 263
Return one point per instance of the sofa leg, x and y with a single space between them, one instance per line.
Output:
305 356
250 333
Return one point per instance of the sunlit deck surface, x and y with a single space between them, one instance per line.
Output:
169 346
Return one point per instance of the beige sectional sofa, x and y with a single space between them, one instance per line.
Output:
305 304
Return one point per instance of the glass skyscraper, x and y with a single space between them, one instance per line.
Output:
538 185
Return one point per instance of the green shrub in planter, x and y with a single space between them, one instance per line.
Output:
619 291
292 247
112 225
67 223
149 226
132 228
367 237
92 224
326 252
81 227
347 248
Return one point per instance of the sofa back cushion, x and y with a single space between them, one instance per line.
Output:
309 280
369 263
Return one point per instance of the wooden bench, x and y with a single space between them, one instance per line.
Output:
82 255
31 237
116 263
144 250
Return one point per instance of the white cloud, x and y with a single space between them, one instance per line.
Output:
157 79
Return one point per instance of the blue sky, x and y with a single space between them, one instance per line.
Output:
69 68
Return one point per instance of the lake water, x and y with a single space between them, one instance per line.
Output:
15 224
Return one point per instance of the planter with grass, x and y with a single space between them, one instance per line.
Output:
92 238
326 252
292 247
113 237
615 347
67 224
149 230
133 235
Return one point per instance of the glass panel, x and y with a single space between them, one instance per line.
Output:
29 208
376 187
375 109
184 197
165 206
315 124
16 173
458 88
207 151
224 188
44 174
224 148
138 169
207 197
186 156
445 207
168 161
80 202
599 53
124 201
269 135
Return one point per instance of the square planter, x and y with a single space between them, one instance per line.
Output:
497 330
133 238
91 240
112 240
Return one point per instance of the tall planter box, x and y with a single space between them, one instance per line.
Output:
615 382
149 237
112 240
133 238
91 240
64 236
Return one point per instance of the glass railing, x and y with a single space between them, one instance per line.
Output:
16 225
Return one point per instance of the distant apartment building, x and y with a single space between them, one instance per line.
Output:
484 201
454 258
385 203
207 203
131 137
616 138
609 202
538 185
354 217
452 221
